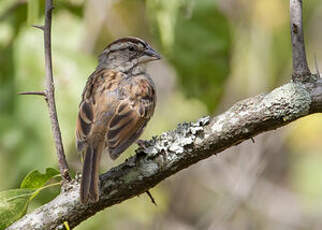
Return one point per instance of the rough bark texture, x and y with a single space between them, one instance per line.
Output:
175 150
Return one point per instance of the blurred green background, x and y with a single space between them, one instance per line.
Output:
215 52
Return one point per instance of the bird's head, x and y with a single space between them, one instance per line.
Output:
126 53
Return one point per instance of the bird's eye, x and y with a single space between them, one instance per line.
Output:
131 48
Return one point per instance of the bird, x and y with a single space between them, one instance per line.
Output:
117 102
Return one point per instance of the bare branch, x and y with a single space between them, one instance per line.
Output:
50 92
301 71
176 150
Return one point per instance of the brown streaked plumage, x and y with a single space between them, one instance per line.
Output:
117 102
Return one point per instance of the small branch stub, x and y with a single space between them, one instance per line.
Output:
37 93
151 198
39 27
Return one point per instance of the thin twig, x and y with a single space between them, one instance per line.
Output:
38 93
50 93
301 71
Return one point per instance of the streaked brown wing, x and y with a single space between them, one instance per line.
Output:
97 107
131 116
124 128
83 124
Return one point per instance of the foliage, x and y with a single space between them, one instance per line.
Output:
196 38
14 202
35 179
13 205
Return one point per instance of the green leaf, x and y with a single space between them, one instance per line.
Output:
13 205
196 38
35 179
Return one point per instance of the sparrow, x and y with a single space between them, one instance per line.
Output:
117 102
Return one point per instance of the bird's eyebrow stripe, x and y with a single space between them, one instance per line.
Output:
119 46
129 39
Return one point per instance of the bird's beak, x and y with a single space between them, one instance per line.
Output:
152 53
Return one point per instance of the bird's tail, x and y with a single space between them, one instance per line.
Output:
89 184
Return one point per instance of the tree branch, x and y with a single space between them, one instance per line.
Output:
300 66
175 150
